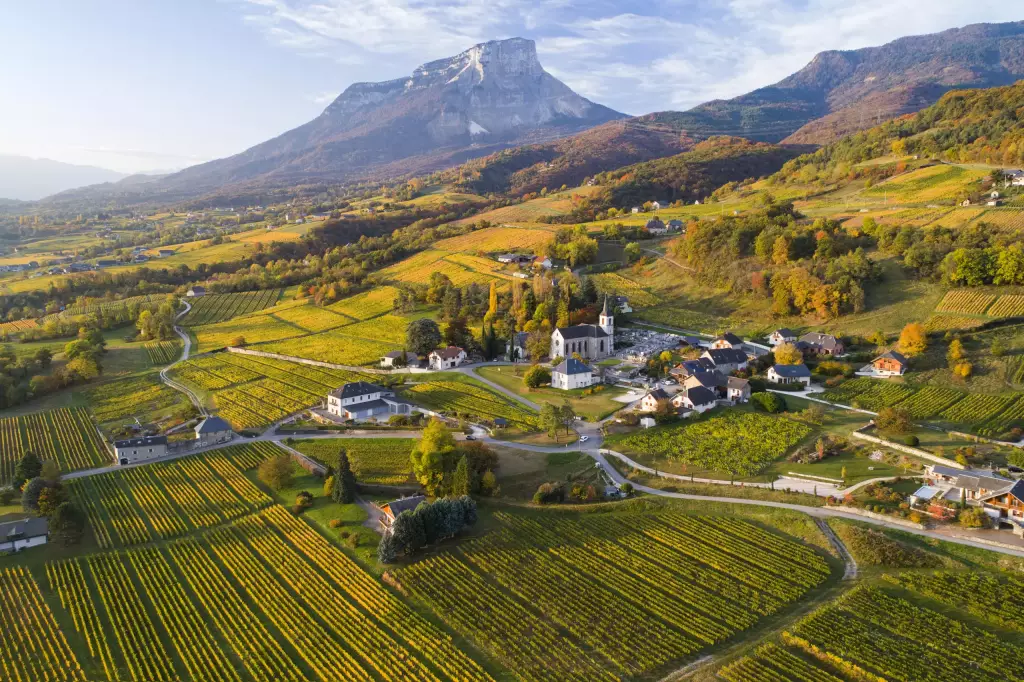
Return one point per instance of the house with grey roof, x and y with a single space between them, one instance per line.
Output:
361 401
821 344
392 510
24 533
572 374
789 374
694 400
133 450
726 360
213 430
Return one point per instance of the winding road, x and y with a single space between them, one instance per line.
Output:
186 349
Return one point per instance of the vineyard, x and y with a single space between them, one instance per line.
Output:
312 318
251 391
7 328
131 397
941 323
1010 418
66 436
976 408
647 590
334 346
170 499
264 598
931 183
965 301
742 443
377 301
930 401
874 634
214 308
614 284
1007 306
381 461
106 306
493 239
254 328
461 396
163 352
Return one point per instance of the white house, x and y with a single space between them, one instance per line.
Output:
727 340
658 205
697 399
651 401
789 374
362 400
134 450
655 226
517 348
450 357
213 430
636 209
544 263
570 374
18 535
196 292
393 359
781 336
737 390
1014 177
590 341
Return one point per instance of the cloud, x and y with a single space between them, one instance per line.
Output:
635 58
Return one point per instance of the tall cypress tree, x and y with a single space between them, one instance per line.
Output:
344 491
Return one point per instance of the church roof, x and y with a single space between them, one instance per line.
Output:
582 331
604 310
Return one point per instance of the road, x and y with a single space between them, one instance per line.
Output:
186 349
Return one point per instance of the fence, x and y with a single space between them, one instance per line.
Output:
923 454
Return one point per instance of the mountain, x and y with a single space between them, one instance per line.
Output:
841 92
492 95
28 179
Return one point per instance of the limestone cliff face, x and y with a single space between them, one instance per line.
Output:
493 94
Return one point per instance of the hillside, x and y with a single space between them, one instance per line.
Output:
840 92
26 179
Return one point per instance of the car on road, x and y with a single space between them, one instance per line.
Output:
470 437
584 439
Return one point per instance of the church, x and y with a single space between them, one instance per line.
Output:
590 341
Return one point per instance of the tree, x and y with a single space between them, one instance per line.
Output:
68 522
344 491
632 252
538 344
50 471
408 532
894 420
49 499
955 353
276 472
31 494
788 354
28 467
878 338
387 550
963 370
768 402
550 419
422 336
913 339
537 376
429 455
238 342
460 479
567 415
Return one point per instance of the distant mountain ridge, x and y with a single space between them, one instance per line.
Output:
840 92
25 179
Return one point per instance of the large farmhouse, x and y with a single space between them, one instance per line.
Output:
361 400
590 341
134 450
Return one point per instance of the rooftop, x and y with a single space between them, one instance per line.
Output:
396 507
792 371
24 528
572 366
141 442
356 388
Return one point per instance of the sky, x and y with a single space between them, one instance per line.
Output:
151 85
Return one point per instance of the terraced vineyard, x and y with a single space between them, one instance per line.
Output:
459 396
169 499
381 461
105 306
135 397
264 598
335 346
251 391
1007 306
976 408
494 239
648 590
930 401
16 326
66 436
614 284
214 308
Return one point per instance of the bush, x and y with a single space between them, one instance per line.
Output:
875 548
303 501
973 517
912 441
336 523
894 420
549 493
276 472
768 402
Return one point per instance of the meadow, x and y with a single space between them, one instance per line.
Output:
460 396
375 461
931 183
66 436
649 590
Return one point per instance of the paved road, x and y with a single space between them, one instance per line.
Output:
470 370
185 351
844 554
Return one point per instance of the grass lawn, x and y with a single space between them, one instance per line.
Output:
538 438
520 472
591 407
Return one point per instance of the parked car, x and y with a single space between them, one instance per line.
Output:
470 437
584 439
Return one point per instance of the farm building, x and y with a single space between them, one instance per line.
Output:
196 292
213 430
450 357
18 535
164 253
789 374
391 510
399 358
590 341
571 374
361 400
134 450
781 336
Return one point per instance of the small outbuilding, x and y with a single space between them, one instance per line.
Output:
213 430
29 532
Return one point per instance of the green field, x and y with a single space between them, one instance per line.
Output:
457 395
375 461
593 407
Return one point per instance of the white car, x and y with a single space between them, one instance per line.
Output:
584 439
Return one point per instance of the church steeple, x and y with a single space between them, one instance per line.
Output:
607 320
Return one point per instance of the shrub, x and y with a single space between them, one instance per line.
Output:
303 501
276 472
912 441
875 548
768 402
894 420
549 493
336 523
973 517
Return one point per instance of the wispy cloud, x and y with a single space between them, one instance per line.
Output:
636 58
